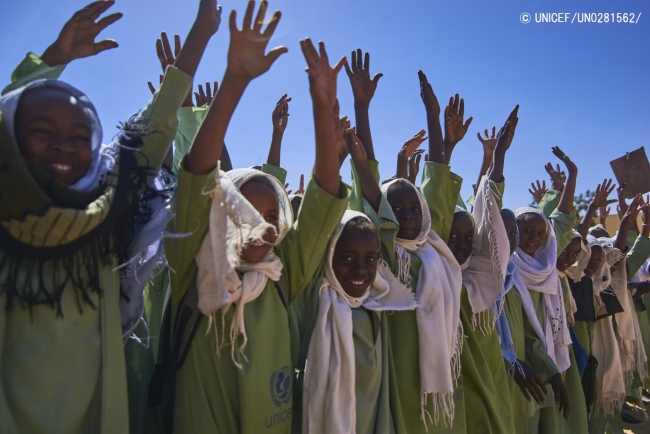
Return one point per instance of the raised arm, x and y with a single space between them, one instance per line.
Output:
599 201
371 191
566 201
363 89
538 191
489 142
626 222
406 152
280 117
322 87
436 142
455 129
504 140
246 61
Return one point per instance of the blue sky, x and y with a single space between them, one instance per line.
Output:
583 87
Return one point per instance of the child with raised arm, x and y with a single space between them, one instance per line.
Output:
545 233
242 243
422 382
84 204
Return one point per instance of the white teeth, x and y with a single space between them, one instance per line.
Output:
357 282
61 167
257 243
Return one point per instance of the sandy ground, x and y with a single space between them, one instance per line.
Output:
643 428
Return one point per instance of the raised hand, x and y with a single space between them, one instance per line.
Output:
428 96
538 191
622 203
455 129
635 207
322 77
246 58
77 38
286 187
340 126
355 147
437 148
414 165
301 188
558 177
603 213
507 132
407 151
164 50
602 192
561 395
280 116
488 142
570 165
363 88
206 98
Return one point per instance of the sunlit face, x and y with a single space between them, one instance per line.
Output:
511 229
532 232
54 133
407 209
595 261
265 200
569 255
461 237
355 259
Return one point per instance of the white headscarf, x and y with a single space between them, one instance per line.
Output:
440 333
329 390
539 273
234 222
484 271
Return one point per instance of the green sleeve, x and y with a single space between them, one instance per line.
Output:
637 255
498 188
537 356
562 225
549 202
631 238
161 117
192 209
304 247
436 180
30 69
278 172
356 196
189 121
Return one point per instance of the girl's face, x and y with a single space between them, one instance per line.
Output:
355 259
406 206
594 261
511 229
265 200
569 255
461 238
532 232
54 133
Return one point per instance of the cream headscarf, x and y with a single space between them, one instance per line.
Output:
539 272
440 333
485 270
329 389
234 222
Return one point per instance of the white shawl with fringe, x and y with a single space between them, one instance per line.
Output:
329 403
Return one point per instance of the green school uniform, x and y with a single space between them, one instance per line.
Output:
69 374
403 352
212 394
550 419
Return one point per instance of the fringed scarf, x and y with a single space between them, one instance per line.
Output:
484 271
329 403
539 273
234 222
54 236
440 333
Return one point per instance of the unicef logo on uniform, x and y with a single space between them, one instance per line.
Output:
280 386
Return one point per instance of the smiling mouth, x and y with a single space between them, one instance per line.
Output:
59 167
357 282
